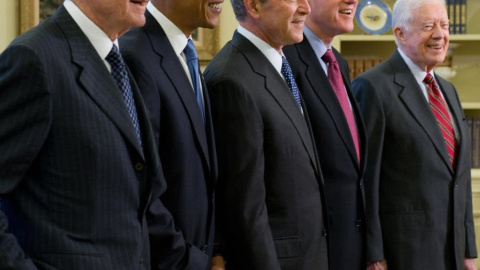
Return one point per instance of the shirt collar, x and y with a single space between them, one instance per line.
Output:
270 53
99 39
318 46
177 38
417 72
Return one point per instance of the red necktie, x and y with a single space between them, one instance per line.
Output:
335 78
439 109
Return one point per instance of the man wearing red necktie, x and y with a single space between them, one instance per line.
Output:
418 183
322 75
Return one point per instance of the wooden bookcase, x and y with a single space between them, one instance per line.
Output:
466 61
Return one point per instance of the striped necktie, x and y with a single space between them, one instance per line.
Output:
440 111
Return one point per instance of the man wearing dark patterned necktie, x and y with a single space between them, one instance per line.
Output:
270 187
80 179
418 183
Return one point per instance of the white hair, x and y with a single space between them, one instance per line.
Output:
404 12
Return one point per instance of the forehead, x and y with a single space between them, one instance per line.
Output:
430 11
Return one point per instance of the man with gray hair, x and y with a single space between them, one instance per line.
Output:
418 183
80 181
270 193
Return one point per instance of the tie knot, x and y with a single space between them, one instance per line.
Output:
114 58
190 51
428 79
286 70
329 57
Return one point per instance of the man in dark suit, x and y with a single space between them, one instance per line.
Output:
80 178
182 123
418 185
341 150
270 194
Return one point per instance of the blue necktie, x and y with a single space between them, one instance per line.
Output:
120 75
287 73
192 63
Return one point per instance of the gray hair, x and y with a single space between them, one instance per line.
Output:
240 10
404 12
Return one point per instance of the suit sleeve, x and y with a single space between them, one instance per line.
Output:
372 112
241 194
168 247
470 245
25 110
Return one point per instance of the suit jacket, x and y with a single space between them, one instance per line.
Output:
270 187
342 173
77 190
185 143
419 210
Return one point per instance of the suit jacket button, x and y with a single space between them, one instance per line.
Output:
324 232
139 166
358 223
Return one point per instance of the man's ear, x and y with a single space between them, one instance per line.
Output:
399 33
252 7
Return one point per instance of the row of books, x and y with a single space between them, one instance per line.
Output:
474 127
457 12
358 65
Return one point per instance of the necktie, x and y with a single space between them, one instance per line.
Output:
440 111
192 63
120 75
335 79
288 74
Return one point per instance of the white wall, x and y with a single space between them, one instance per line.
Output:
8 22
228 23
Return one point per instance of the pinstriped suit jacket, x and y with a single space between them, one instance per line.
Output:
77 191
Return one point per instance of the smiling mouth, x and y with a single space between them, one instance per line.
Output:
346 11
299 22
436 47
139 2
215 5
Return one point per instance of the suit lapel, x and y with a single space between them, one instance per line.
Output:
170 64
456 112
325 93
278 88
413 98
96 80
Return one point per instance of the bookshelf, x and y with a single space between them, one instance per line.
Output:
466 61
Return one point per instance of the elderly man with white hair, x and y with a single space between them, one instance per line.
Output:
418 182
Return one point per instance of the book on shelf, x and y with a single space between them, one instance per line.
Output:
360 64
474 128
457 14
